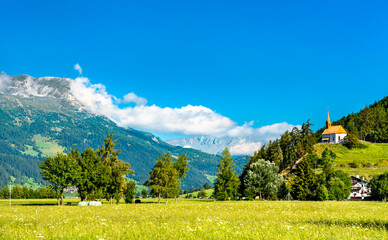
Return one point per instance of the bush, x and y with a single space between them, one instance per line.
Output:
351 141
353 164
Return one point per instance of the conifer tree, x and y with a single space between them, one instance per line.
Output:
278 156
227 182
305 185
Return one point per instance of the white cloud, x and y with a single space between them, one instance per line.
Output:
188 120
4 81
78 68
133 98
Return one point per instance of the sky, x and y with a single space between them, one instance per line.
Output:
185 68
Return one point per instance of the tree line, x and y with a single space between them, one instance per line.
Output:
23 192
100 174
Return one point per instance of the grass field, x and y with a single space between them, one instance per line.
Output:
196 219
366 162
47 146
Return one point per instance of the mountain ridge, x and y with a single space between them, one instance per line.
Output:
45 107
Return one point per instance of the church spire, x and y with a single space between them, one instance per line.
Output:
328 123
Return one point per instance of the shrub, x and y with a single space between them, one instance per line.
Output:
353 164
351 141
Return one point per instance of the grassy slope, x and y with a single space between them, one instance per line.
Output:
198 219
209 192
370 161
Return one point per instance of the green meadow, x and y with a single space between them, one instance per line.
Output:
195 219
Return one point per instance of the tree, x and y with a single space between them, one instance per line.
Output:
144 193
90 174
379 187
57 170
262 180
207 185
202 193
181 166
278 156
130 191
322 193
117 169
4 193
304 185
339 185
164 178
335 188
227 182
326 161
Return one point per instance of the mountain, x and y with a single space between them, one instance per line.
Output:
40 116
214 145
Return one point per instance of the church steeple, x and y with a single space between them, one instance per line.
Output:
328 123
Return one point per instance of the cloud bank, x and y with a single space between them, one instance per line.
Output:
189 120
4 81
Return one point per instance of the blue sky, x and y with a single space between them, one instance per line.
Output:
262 61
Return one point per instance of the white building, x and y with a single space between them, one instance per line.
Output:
360 189
333 134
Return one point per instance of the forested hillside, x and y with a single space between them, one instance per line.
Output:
369 124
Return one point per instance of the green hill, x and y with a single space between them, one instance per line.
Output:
370 123
366 162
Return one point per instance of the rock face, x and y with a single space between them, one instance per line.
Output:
40 116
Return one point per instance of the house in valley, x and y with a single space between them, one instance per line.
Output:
360 189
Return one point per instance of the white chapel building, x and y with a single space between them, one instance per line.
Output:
333 134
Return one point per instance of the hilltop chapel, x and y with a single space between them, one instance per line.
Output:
333 134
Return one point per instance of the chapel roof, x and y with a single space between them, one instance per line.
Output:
334 129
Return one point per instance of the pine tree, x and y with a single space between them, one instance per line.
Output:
304 186
278 156
227 182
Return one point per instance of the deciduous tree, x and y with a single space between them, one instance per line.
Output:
58 171
262 180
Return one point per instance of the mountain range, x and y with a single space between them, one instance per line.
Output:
40 116
214 145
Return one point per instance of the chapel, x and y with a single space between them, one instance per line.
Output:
333 134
